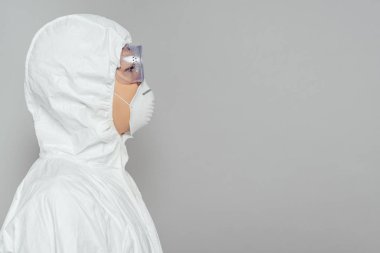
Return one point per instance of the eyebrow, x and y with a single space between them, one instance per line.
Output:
145 92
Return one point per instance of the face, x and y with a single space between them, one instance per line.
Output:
121 110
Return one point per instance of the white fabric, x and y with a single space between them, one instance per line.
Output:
77 196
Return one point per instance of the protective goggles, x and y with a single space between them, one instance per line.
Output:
131 66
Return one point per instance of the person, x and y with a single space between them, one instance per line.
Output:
77 196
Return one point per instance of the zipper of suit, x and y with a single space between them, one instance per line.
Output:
141 209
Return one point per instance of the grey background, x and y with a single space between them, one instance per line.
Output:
266 130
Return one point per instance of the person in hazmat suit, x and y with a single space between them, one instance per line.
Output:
85 90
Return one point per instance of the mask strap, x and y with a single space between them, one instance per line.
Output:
122 98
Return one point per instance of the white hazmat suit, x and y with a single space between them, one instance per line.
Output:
77 196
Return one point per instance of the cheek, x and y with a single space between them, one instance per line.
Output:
121 115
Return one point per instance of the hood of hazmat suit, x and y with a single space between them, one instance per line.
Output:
77 196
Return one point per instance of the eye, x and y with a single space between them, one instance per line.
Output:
130 69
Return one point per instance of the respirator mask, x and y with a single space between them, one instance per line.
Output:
131 68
